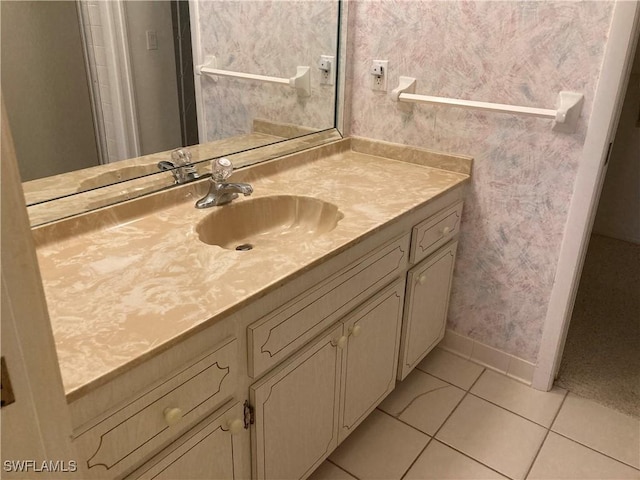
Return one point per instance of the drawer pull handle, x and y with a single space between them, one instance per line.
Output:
235 426
340 343
446 230
356 330
422 279
172 415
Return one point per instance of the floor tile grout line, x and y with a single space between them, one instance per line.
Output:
596 451
445 420
471 458
433 437
403 422
580 443
342 468
546 435
468 392
449 382
555 417
516 413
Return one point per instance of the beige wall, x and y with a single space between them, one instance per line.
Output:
45 87
154 76
619 208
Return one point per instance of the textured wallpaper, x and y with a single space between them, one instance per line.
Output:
517 52
266 38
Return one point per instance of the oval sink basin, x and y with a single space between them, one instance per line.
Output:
265 221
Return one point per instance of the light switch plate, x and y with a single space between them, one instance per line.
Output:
152 40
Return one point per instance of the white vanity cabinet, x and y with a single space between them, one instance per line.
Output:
308 405
312 358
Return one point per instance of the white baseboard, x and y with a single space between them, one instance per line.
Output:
487 356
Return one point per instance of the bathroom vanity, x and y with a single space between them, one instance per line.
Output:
183 357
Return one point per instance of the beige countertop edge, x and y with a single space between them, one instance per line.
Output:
451 179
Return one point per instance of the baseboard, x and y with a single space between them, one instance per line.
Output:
489 357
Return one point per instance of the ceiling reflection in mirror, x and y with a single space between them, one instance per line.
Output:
94 106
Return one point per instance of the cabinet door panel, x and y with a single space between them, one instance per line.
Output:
371 356
426 306
295 412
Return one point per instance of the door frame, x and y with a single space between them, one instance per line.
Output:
37 426
605 114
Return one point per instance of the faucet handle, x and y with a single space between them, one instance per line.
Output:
221 169
181 157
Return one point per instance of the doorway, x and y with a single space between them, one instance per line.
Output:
601 358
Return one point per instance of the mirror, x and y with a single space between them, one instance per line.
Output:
91 123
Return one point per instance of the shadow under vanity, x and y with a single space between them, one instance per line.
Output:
182 359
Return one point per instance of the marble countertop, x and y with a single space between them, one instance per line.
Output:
130 278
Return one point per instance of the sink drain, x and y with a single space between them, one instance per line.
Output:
244 247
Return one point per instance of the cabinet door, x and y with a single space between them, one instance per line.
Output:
217 449
426 305
296 411
371 357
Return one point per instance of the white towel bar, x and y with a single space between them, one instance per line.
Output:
301 81
565 116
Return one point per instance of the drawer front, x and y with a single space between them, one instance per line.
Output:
211 450
276 336
149 422
434 232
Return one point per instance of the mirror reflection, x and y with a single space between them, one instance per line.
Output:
108 90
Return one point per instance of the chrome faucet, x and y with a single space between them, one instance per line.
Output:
220 192
180 166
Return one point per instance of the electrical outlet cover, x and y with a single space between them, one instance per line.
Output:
379 82
327 77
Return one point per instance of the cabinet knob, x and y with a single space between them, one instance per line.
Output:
235 426
356 330
172 415
340 343
446 230
422 279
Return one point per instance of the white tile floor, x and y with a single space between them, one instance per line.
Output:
453 419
